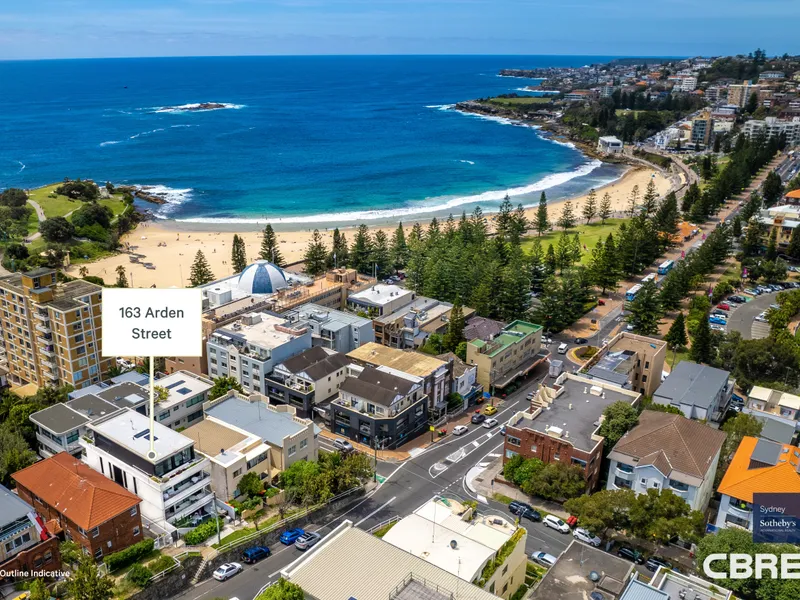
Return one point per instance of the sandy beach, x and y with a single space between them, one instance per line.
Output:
171 246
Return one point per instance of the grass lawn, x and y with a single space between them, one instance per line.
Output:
679 356
384 530
149 557
236 535
519 101
61 205
589 234
502 498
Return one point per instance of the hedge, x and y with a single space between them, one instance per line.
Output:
139 575
201 533
130 555
162 563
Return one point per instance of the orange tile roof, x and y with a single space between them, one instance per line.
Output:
741 482
793 194
77 491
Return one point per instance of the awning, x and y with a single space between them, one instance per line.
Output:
523 369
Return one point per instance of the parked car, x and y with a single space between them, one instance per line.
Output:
586 537
255 554
751 291
562 348
547 340
478 418
460 429
503 430
737 299
290 536
490 410
717 327
761 317
719 312
775 306
489 423
724 306
631 554
227 571
580 340
544 559
343 446
654 562
523 510
555 523
308 539
717 320
737 400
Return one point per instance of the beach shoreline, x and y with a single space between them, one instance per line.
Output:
171 246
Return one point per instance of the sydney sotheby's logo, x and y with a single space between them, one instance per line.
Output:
760 566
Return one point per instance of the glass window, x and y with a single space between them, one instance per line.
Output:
513 441
134 511
292 450
135 531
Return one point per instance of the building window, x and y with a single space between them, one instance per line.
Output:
95 532
237 472
644 378
48 557
134 511
557 456
98 553
135 531
622 483
292 450
646 364
534 448
513 441
303 444
643 481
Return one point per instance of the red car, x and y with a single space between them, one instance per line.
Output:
724 306
572 521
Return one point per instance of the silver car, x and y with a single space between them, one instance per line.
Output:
308 539
586 537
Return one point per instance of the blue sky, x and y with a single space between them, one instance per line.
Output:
113 28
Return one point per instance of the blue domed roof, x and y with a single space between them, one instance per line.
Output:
262 277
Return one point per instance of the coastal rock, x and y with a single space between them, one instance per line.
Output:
147 197
197 107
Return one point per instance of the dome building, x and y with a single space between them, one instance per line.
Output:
262 277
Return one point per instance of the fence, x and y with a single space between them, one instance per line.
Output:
383 524
177 564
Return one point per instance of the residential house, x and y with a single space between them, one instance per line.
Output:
465 379
608 144
448 534
380 299
99 515
667 452
377 407
232 452
699 391
563 422
289 437
781 409
249 348
437 375
511 354
335 568
51 331
25 543
758 466
166 473
308 379
634 362
409 327
333 329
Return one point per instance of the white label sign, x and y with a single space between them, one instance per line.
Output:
152 322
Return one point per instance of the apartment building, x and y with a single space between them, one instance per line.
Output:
437 375
91 510
232 453
308 379
634 362
380 299
184 404
465 378
759 466
667 584
250 347
25 542
667 452
51 331
699 391
289 437
175 486
778 411
448 534
783 219
739 94
379 408
409 327
562 424
774 127
510 354
702 128
332 329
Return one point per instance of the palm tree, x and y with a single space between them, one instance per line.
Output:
83 271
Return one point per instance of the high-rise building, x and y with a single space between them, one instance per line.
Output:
739 94
51 330
702 126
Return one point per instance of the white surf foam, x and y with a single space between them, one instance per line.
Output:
469 162
440 106
109 143
21 166
172 196
427 206
194 108
133 137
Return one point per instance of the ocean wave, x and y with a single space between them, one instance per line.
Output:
21 166
182 125
109 143
172 196
501 120
440 106
469 162
196 107
429 206
133 137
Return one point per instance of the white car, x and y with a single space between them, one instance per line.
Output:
460 429
716 327
584 536
489 423
555 523
227 571
544 559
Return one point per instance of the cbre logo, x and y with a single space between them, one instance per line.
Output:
745 566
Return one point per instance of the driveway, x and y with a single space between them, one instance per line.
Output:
741 319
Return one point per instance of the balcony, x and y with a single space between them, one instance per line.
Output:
742 510
47 351
52 375
621 484
191 504
185 489
42 316
43 328
624 471
58 445
50 365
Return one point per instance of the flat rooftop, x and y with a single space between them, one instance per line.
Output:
262 334
569 578
511 334
576 411
381 294
221 443
423 307
125 395
182 385
59 418
12 507
671 582
351 563
413 363
92 407
131 430
328 319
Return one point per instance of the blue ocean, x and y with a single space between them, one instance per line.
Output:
297 139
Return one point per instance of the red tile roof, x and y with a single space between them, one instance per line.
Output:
77 491
742 479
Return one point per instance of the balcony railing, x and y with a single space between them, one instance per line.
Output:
43 328
41 316
185 488
50 365
47 351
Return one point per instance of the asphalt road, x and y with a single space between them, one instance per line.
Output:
439 470
741 319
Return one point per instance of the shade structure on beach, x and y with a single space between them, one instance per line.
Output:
262 277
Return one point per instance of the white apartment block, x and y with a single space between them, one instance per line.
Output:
772 126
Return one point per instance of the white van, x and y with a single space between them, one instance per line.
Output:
562 349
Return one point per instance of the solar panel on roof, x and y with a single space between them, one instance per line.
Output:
176 384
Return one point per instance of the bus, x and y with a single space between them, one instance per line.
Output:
651 277
630 295
666 267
